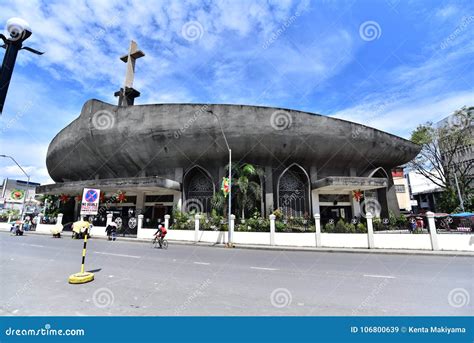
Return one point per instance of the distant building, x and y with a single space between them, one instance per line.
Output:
14 192
423 192
402 190
463 157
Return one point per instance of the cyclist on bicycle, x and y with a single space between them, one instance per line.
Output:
160 233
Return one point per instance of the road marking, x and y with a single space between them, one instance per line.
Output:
380 276
120 255
35 245
262 268
203 263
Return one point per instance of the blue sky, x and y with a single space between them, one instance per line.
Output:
390 64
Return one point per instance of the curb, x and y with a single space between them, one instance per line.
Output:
290 248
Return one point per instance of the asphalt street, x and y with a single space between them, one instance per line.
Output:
134 279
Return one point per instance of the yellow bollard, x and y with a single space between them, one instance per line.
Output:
82 277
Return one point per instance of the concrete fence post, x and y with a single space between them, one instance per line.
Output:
231 228
9 218
40 219
433 231
59 219
317 223
196 227
109 219
139 224
167 221
370 230
272 229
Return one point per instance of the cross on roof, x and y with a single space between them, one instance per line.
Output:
130 58
127 94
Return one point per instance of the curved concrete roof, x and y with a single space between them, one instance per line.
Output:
108 141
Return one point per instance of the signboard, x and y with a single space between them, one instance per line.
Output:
90 201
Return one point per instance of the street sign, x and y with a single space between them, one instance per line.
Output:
90 201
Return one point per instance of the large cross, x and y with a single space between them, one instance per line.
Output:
127 94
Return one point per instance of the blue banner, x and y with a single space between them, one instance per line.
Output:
237 329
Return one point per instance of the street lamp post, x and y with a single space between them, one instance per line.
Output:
27 185
19 31
230 177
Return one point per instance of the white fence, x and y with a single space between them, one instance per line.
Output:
369 240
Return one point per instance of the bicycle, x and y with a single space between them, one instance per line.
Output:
161 242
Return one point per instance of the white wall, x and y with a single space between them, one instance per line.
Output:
344 240
402 241
303 239
98 231
460 242
44 228
252 238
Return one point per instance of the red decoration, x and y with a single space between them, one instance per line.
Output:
121 197
102 197
64 198
357 195
78 198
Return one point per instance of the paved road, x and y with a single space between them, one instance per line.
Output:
134 279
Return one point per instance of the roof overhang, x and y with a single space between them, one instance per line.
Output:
142 184
342 184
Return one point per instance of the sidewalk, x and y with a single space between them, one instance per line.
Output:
292 248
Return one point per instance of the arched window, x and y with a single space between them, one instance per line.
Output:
198 190
293 192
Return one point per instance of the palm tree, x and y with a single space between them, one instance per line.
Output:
247 190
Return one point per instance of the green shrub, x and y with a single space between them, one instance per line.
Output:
329 228
361 228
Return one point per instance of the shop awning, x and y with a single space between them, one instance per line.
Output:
348 183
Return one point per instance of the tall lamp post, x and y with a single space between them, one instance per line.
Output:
19 31
230 176
27 185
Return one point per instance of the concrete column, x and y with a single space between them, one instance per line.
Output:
167 221
355 206
9 218
40 219
272 229
109 219
139 224
231 228
370 230
317 223
269 190
196 227
432 229
140 204
315 201
59 219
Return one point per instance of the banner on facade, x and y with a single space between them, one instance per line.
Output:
90 201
